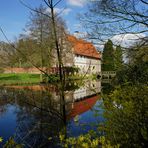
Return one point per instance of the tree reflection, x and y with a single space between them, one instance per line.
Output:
42 112
39 117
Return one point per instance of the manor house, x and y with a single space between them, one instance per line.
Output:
86 57
77 52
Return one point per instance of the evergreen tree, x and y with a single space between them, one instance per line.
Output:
108 57
118 59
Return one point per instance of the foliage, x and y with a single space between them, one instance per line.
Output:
89 140
12 144
72 85
106 88
70 69
7 55
53 78
29 50
126 105
126 113
118 59
108 57
136 70
112 58
137 54
37 45
1 139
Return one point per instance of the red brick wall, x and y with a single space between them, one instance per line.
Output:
30 70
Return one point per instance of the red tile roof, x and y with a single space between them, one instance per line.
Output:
82 106
84 48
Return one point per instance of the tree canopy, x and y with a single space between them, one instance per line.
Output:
118 58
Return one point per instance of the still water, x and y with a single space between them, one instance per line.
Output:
32 114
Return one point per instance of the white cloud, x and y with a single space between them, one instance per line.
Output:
99 47
65 11
79 3
82 35
127 40
77 26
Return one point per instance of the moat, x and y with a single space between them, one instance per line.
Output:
36 113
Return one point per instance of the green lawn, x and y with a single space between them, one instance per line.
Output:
6 79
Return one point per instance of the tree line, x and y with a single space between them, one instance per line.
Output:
36 45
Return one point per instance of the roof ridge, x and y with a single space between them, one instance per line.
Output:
83 47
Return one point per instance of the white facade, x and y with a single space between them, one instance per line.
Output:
89 88
81 54
87 65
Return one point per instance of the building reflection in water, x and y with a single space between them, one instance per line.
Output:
39 110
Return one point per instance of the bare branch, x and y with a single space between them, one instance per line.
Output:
35 10
57 3
47 3
144 2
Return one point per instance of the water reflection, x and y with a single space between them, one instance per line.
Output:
35 113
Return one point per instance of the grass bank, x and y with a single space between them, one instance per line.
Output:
11 79
8 79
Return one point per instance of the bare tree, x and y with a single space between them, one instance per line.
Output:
45 28
106 19
39 29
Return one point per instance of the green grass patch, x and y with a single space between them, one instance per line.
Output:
82 77
6 79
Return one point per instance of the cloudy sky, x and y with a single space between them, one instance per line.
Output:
13 15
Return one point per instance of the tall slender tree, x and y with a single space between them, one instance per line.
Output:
108 57
118 58
40 29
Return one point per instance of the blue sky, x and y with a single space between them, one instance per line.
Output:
14 16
